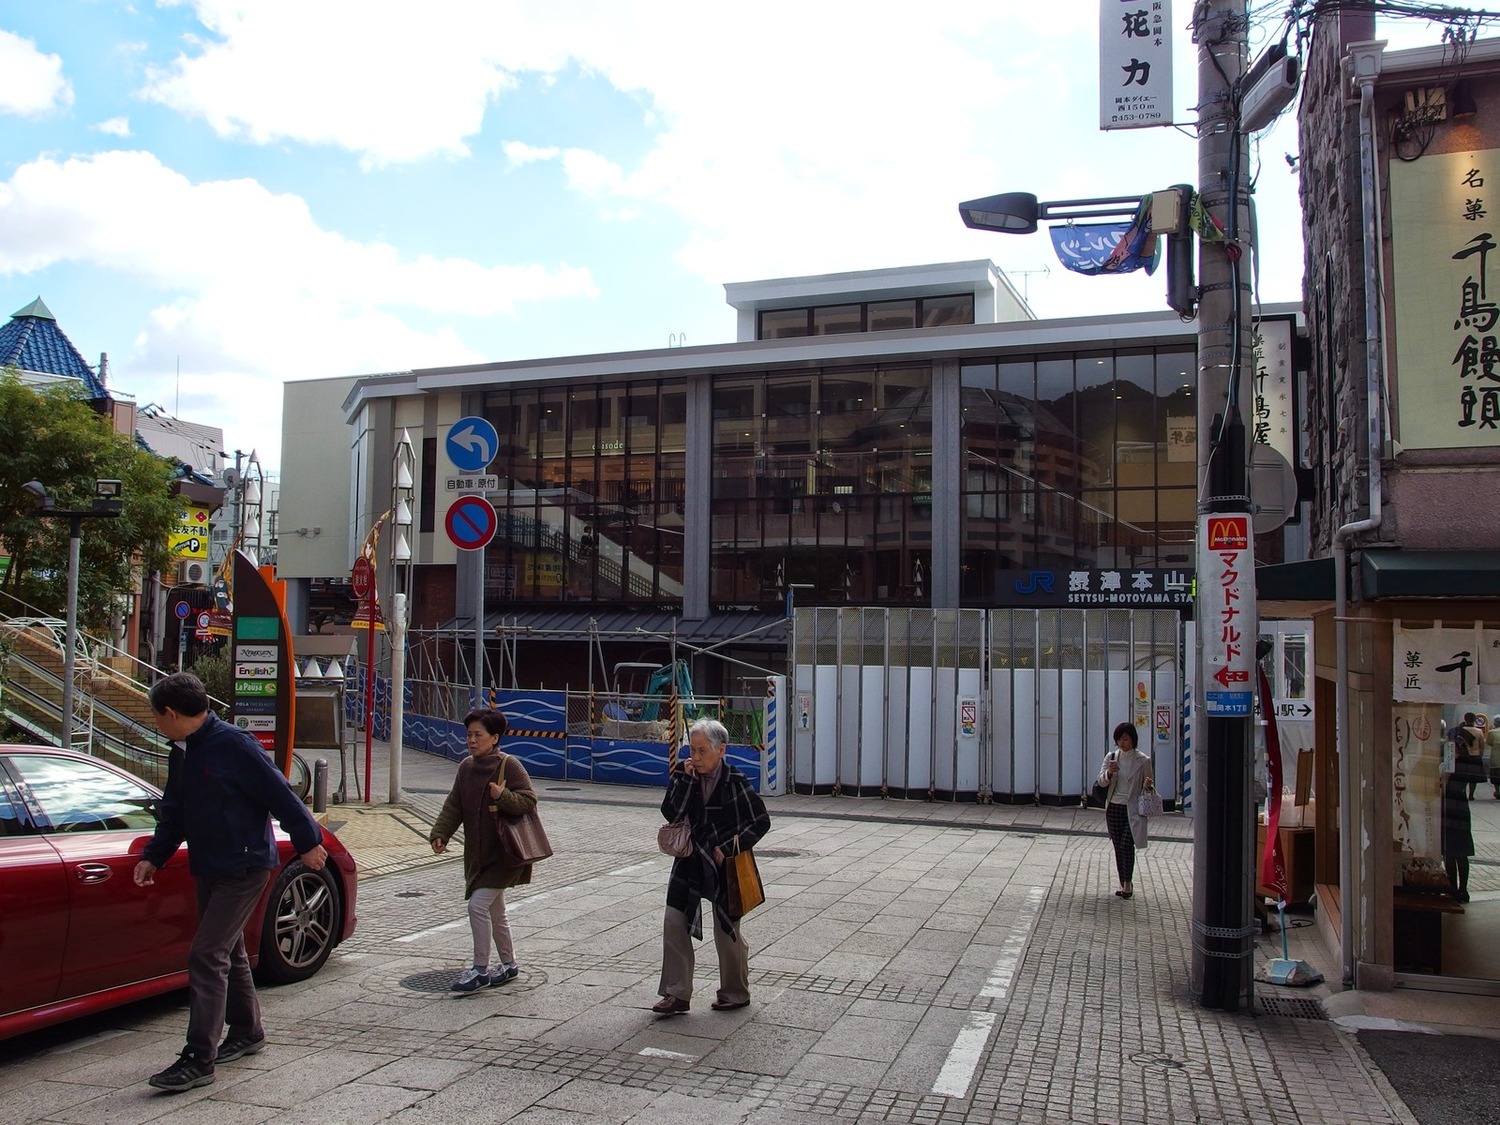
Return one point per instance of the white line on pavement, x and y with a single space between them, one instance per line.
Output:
517 906
958 1069
658 1053
998 984
968 1048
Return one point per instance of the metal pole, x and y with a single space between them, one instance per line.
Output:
1224 832
369 693
320 785
398 692
479 629
75 542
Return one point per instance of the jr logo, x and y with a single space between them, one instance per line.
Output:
1036 581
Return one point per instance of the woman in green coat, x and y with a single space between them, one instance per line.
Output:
488 783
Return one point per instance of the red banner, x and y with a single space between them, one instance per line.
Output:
1272 862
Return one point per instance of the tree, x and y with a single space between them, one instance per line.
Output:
58 439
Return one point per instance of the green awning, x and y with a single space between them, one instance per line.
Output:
1307 581
1430 574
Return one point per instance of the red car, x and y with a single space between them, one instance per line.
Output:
78 936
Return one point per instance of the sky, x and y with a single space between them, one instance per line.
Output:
224 195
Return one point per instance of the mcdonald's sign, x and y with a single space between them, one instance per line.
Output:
1227 619
1228 533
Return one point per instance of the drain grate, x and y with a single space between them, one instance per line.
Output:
441 981
776 853
1292 1007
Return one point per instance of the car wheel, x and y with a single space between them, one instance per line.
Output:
301 925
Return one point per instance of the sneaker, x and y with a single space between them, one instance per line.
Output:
471 980
187 1073
238 1046
505 974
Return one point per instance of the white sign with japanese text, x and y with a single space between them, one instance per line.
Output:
1272 424
1135 63
1444 665
1226 584
1445 215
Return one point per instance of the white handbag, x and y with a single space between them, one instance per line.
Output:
1149 802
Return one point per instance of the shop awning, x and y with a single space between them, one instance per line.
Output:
1386 574
1430 574
1307 581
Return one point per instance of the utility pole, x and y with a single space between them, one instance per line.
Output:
1227 620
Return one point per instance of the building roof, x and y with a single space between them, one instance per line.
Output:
33 342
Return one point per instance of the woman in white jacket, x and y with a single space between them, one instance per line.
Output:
1127 772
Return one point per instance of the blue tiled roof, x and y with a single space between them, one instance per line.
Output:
32 341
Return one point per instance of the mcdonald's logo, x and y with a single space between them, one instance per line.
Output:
1228 533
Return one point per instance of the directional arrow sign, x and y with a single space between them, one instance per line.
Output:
1227 676
472 444
470 522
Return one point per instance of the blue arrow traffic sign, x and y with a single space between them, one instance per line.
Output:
470 522
472 444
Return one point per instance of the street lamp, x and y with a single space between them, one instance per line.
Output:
1018 212
107 504
403 488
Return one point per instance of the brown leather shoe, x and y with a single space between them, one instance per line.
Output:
670 1006
729 1005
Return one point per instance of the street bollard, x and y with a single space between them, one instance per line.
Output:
320 785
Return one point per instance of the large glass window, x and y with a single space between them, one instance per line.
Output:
822 483
591 494
872 316
1082 460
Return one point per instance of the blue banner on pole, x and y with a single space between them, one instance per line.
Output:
1096 248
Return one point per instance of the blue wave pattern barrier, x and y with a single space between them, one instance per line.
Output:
538 735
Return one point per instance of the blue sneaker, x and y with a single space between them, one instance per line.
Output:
505 974
471 980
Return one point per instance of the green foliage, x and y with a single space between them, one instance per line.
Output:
58 439
213 670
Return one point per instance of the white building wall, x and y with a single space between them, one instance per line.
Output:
314 514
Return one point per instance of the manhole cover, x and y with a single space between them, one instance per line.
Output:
1161 1062
441 981
776 853
1292 1007
410 894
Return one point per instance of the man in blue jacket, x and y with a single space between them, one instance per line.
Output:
221 793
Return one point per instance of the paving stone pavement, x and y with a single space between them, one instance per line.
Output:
914 963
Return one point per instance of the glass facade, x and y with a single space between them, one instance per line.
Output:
1085 460
822 481
590 497
869 316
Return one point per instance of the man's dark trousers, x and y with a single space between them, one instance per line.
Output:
219 984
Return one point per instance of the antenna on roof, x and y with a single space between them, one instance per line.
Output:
177 409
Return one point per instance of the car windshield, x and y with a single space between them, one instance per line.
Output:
81 796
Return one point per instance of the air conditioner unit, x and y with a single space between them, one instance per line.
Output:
192 572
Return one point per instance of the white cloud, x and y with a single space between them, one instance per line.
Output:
254 290
831 136
115 126
520 153
33 82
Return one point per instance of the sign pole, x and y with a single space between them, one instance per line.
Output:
369 701
479 630
1224 827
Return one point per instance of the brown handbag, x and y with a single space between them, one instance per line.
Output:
675 838
742 883
522 838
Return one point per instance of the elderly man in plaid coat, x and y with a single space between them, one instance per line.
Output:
726 816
